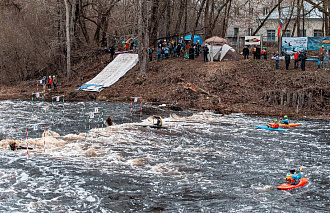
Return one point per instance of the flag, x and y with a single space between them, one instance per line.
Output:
281 23
279 31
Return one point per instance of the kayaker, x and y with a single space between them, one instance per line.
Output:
293 177
285 120
159 121
275 125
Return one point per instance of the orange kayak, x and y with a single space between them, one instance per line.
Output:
286 125
286 186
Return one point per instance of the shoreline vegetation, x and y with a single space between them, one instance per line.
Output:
252 87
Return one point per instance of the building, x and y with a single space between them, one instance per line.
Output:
247 16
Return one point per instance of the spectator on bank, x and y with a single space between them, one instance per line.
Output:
55 82
296 62
254 52
50 82
287 60
198 49
264 53
178 49
246 52
205 53
112 52
326 61
159 53
321 57
163 52
277 60
151 50
303 57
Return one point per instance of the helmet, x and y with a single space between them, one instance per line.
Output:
53 76
275 120
263 47
50 76
292 171
285 116
322 45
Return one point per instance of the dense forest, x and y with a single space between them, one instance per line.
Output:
42 36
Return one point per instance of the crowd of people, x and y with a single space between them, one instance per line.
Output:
299 57
49 82
166 49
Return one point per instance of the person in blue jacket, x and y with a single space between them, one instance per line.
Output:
293 177
285 120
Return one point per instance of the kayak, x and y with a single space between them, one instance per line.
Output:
153 126
286 125
286 186
269 128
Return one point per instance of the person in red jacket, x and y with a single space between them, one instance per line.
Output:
275 125
296 62
50 82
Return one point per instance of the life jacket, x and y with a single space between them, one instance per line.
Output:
289 179
50 81
263 52
275 126
296 56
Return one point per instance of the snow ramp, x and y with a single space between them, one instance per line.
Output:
111 73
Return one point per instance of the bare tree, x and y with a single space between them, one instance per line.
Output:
68 41
143 8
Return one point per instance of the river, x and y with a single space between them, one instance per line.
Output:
203 162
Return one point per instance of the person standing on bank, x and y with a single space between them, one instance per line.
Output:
277 60
303 58
205 53
246 52
54 82
287 60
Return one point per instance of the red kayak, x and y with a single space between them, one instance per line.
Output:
286 125
286 186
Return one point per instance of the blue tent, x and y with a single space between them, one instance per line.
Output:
196 38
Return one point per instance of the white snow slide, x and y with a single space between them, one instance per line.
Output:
111 73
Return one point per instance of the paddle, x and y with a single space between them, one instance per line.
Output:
300 169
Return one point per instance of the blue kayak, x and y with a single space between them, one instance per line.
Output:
269 128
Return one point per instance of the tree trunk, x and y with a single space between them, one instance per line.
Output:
68 45
143 34
153 26
60 39
179 20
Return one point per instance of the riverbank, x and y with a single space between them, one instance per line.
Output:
246 86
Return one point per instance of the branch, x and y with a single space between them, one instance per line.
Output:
263 22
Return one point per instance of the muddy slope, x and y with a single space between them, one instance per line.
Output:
247 86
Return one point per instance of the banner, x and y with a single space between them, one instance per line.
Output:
252 40
294 44
315 43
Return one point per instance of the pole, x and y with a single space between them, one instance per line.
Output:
141 110
170 139
27 141
44 138
279 37
131 110
182 135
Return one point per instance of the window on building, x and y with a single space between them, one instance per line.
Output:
270 35
265 11
287 33
236 11
251 11
302 34
318 33
249 31
235 32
